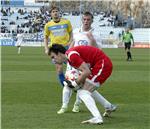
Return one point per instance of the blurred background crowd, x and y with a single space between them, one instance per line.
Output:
30 19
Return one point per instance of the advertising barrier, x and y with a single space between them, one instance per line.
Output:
7 42
139 45
12 3
32 43
34 37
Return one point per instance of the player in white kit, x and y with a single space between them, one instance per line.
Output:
19 41
85 35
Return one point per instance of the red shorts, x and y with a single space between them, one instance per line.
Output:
101 71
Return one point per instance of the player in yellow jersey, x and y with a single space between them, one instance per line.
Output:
58 31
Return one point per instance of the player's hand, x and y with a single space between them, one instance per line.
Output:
71 84
91 38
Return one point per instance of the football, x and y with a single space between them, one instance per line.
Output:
72 74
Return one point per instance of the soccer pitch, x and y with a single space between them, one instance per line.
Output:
31 95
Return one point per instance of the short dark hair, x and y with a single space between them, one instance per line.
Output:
56 48
54 7
87 13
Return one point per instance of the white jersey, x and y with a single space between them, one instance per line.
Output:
80 38
19 39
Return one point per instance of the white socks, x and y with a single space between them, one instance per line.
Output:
78 100
82 95
86 97
19 48
98 97
66 94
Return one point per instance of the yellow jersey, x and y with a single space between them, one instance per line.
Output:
59 33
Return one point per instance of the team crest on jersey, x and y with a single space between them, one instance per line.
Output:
83 42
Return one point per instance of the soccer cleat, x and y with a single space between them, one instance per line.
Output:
94 120
109 110
62 110
76 109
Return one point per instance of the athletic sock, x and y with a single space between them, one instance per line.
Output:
97 96
78 100
66 94
19 50
128 55
86 97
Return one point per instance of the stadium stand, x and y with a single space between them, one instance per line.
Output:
31 20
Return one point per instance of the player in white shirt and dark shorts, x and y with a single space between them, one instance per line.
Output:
19 41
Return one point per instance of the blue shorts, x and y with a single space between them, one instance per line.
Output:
67 47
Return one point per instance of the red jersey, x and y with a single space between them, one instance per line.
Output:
88 54
98 62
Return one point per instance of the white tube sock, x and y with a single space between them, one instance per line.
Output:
78 100
19 49
86 97
66 94
97 96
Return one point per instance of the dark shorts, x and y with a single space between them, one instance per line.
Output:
127 45
18 45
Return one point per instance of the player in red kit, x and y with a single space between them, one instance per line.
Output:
95 67
99 64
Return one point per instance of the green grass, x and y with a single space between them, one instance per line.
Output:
31 95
